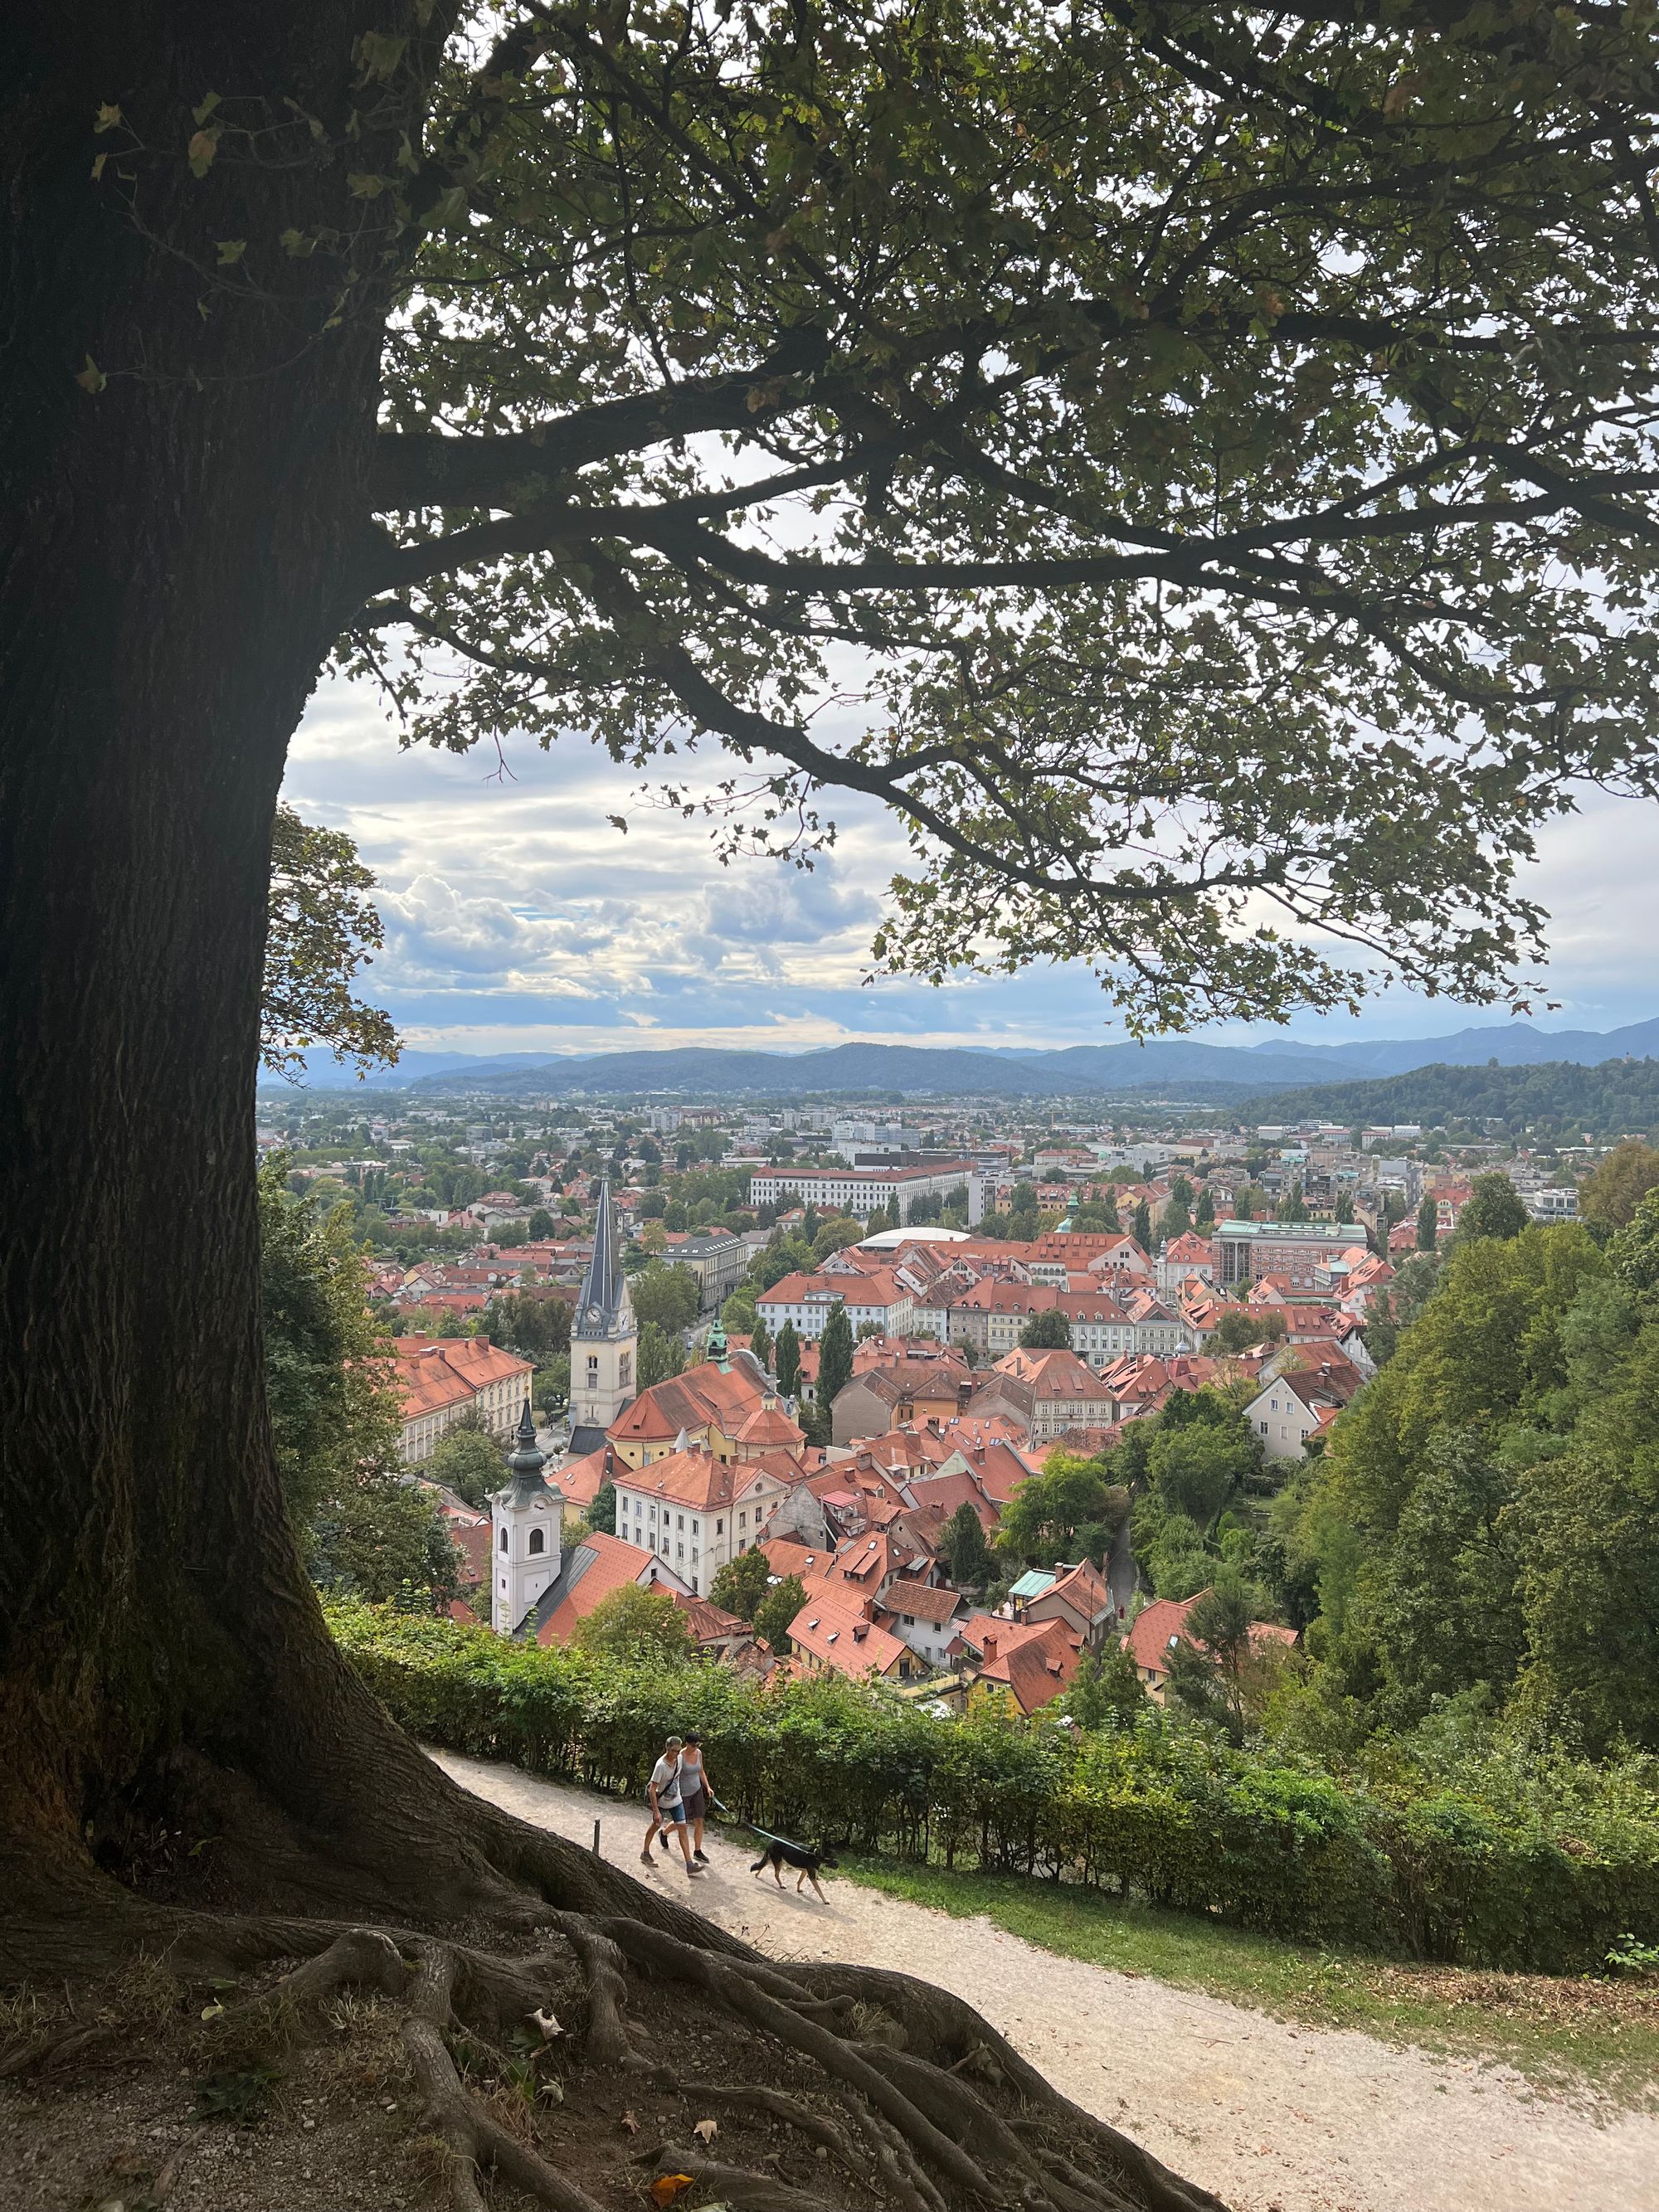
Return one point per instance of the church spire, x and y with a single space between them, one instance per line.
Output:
527 1460
605 1287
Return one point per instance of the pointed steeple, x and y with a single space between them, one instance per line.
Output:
717 1347
605 1309
527 1460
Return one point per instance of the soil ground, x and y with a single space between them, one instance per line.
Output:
1274 2117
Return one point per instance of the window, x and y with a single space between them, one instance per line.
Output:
743 1519
1263 1426
679 1519
504 1539
719 1528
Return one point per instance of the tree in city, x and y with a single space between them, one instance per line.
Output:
1293 1206
1610 1193
777 1609
1428 1225
965 1548
321 929
601 1515
1204 1213
760 1342
834 1356
1049 1330
1140 1227
1221 421
1069 1511
1108 1214
1494 1208
741 1584
467 1460
787 1366
658 1356
536 1328
540 1226
1242 1327
642 1626
1106 1692
667 1296
1219 1625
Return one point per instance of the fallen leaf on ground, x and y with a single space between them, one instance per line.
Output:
706 2129
667 2187
630 2123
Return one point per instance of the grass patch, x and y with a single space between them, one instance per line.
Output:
1572 2036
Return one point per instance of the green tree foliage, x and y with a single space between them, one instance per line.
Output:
336 1413
741 1584
645 1627
322 929
1175 1220
1428 1225
1605 1100
1188 1464
1610 1195
1106 1692
760 1342
777 1609
739 1316
658 1356
1108 1207
1481 1524
601 1515
1494 1208
834 1356
540 1226
1203 1216
835 1235
467 1461
379 1538
1293 1206
969 1555
1069 1511
537 1329
1241 1327
787 1369
335 1410
667 1296
1048 1331
1141 1226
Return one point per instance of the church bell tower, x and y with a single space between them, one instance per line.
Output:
524 1520
604 1340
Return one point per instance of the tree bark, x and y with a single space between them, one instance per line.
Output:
175 560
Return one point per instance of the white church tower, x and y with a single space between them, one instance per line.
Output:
605 1339
525 1532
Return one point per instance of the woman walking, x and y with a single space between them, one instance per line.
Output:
667 1808
696 1795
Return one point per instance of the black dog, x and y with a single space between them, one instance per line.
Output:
806 1858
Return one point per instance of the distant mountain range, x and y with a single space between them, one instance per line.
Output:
1165 1067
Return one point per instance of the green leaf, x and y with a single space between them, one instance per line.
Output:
200 115
108 117
363 184
91 378
231 251
378 54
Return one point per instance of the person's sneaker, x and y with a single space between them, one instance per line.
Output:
701 1858
645 1858
692 1868
662 1842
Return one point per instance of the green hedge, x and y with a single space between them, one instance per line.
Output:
1521 1865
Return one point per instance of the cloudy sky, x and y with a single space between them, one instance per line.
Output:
519 919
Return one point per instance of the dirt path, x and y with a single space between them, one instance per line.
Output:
1273 2119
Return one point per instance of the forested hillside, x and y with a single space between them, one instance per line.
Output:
1483 1529
1556 1099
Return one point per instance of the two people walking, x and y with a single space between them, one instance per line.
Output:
679 1797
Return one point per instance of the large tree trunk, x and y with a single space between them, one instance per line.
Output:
177 558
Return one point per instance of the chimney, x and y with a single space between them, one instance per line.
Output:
990 1648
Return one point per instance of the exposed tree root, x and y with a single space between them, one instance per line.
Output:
943 2115
740 2186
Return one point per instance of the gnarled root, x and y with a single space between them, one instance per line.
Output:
740 2187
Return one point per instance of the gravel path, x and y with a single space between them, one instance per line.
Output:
1273 2119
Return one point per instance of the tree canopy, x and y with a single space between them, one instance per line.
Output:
1180 426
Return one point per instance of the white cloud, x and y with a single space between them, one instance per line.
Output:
519 918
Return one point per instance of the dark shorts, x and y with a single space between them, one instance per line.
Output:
697 1804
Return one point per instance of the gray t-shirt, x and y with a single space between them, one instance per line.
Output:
665 1780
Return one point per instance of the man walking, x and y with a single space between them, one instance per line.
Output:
663 1795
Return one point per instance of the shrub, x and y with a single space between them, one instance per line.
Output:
1545 1864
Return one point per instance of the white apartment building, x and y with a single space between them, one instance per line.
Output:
861 1190
696 1511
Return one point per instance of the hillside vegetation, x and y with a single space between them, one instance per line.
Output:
1557 1096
